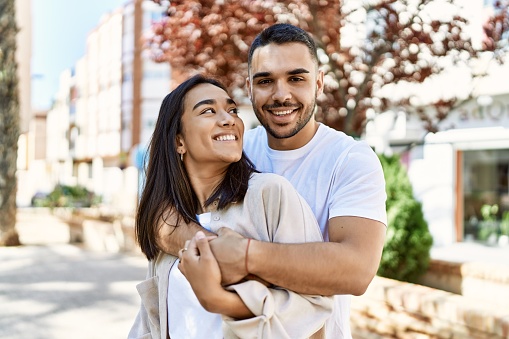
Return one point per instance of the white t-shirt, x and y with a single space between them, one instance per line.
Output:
187 319
337 176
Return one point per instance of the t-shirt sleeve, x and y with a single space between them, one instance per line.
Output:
358 186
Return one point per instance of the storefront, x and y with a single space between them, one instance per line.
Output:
485 202
461 174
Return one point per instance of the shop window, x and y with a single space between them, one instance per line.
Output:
486 196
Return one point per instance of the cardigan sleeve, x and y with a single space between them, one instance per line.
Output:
146 323
279 313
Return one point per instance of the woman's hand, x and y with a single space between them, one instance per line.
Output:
201 269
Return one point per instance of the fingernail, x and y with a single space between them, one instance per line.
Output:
200 235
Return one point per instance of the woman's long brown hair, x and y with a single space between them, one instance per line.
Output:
167 187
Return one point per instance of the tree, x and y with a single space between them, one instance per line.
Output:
9 123
365 46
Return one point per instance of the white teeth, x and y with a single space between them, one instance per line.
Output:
225 137
280 113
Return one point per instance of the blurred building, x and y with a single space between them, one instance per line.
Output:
106 108
104 113
461 172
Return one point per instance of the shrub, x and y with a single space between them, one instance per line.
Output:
67 196
406 251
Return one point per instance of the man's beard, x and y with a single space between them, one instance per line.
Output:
301 122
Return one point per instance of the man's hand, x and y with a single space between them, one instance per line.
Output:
229 249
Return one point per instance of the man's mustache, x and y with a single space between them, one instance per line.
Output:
279 105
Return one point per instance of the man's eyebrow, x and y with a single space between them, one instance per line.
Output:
231 101
261 75
298 71
204 102
292 72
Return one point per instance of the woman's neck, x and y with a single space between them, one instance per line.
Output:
204 182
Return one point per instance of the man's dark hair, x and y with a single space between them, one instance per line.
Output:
167 188
281 34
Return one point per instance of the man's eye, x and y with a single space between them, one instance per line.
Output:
296 79
264 81
234 111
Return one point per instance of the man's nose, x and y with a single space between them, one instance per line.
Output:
282 92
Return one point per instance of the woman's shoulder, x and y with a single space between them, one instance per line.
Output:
269 180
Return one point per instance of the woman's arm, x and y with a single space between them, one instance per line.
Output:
200 268
277 213
250 309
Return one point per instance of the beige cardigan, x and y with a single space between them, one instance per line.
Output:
272 211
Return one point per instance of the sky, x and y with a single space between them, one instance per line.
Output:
59 35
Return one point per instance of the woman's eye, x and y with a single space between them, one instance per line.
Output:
234 111
208 110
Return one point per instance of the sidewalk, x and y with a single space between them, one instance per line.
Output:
50 289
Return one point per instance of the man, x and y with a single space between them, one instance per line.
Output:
340 178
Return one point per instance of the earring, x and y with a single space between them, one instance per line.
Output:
181 156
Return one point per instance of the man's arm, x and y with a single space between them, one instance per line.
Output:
344 265
171 239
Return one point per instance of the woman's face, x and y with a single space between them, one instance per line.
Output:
211 129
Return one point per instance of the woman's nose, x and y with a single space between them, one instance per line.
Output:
226 119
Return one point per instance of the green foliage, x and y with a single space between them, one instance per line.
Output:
488 227
68 196
504 224
406 251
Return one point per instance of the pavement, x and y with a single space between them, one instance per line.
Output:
50 289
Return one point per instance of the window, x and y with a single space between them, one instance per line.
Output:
486 195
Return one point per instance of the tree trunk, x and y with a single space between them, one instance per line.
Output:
9 123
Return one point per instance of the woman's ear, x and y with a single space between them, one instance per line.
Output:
181 148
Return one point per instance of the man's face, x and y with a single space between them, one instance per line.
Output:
283 85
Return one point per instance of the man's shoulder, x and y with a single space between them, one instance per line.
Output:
327 134
336 143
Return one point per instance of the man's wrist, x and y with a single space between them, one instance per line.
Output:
251 256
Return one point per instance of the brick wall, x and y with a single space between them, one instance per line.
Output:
394 309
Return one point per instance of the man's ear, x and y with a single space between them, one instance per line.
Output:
319 83
248 87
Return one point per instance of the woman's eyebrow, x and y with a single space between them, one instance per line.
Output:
229 101
204 102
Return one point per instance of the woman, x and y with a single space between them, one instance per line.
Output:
198 170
